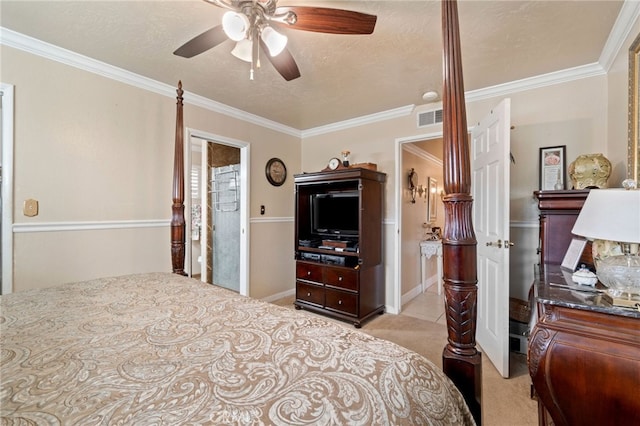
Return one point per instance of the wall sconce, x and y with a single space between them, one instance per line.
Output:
413 185
420 190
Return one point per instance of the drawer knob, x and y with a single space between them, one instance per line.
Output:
339 278
339 302
308 272
308 294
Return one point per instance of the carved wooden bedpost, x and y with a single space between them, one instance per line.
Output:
177 209
461 360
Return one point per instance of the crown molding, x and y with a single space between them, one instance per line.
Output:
421 153
629 14
627 17
360 121
550 79
49 51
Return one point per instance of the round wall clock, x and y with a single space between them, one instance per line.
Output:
276 171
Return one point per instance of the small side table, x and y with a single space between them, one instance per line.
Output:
429 248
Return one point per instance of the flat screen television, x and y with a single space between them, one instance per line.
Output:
335 213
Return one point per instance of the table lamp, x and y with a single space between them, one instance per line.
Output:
614 215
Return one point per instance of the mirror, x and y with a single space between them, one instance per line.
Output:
633 168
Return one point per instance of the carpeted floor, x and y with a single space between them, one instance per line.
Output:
506 402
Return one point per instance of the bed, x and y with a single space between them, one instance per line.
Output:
167 349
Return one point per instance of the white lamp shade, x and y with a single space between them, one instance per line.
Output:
235 25
275 41
243 50
610 214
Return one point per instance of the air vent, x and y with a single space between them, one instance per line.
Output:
429 117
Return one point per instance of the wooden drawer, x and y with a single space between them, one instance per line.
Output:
310 293
309 271
342 301
341 277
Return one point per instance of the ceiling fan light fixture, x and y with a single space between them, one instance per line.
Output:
274 41
235 25
243 50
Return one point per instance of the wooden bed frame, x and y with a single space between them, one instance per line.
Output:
461 360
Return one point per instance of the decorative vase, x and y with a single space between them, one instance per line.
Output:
589 171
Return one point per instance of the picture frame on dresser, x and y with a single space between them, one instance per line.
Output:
574 252
553 167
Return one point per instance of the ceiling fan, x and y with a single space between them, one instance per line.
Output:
252 25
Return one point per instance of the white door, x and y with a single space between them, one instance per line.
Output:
490 148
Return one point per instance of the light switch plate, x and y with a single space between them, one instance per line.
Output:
30 207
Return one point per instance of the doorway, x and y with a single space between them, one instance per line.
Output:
216 173
490 215
423 153
6 189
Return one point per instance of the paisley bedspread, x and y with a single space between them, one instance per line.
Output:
163 349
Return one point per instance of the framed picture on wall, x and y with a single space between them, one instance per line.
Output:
553 167
432 208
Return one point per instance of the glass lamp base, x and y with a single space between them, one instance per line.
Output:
621 274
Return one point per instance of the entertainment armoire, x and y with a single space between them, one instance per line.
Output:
341 276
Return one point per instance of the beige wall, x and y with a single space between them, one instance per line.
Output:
91 149
573 113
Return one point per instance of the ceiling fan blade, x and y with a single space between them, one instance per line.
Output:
284 63
203 42
327 20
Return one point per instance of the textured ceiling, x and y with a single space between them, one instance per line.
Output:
343 76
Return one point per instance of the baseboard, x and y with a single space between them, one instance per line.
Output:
280 295
419 289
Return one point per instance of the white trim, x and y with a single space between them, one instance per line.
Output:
280 295
524 224
419 289
49 51
544 80
359 121
421 153
624 23
399 179
412 294
629 14
19 228
7 187
271 219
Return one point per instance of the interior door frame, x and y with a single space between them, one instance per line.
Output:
396 307
244 148
400 179
7 187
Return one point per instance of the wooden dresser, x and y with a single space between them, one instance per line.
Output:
558 213
583 352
